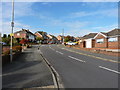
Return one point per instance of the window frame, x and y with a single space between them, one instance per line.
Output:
115 39
100 40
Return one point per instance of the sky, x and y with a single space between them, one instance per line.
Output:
76 18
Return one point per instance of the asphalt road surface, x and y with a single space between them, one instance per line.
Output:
80 69
28 71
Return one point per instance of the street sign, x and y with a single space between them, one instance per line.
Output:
11 34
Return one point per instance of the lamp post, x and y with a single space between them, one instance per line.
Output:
12 25
63 36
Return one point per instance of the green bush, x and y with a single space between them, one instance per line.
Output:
6 40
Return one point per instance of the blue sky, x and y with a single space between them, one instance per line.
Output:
76 18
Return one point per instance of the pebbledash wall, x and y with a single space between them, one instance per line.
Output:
20 35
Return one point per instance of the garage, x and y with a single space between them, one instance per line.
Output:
88 43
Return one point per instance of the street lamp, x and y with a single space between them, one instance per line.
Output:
12 25
63 36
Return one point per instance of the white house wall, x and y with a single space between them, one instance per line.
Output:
88 43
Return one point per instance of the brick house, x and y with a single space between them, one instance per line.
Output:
60 38
43 35
24 33
52 39
109 40
87 41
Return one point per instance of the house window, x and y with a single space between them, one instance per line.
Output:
113 39
18 34
100 41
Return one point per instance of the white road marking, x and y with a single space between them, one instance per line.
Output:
109 69
7 74
59 52
76 59
51 48
62 48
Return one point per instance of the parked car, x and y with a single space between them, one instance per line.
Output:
71 43
51 42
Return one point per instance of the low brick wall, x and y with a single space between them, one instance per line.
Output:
97 50
6 58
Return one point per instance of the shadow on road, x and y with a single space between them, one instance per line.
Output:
29 70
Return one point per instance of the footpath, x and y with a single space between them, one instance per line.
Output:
28 71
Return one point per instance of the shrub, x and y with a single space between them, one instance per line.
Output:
17 49
7 52
6 40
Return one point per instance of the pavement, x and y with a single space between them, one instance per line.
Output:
28 71
82 69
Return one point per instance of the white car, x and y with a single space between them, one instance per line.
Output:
71 43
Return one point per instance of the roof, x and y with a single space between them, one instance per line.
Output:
90 35
59 36
41 32
114 32
25 31
104 33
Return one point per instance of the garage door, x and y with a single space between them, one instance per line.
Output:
88 43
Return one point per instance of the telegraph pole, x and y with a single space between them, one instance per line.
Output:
63 36
12 25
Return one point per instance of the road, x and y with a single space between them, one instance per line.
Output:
80 69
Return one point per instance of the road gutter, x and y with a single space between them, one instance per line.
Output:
56 77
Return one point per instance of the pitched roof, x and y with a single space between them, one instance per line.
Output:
25 31
90 35
114 32
41 32
104 33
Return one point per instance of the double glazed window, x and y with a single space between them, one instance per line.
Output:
113 39
18 34
100 41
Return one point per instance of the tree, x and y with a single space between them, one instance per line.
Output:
4 36
15 42
66 39
9 36
69 38
39 38
6 40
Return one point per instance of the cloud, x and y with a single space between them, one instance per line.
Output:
78 32
82 32
0 17
6 27
105 28
68 24
71 27
21 9
45 3
109 13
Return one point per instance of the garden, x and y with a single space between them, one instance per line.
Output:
19 45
